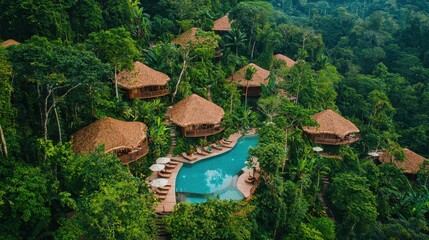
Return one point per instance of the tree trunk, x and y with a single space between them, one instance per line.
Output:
286 150
3 142
185 64
116 83
58 124
245 97
253 49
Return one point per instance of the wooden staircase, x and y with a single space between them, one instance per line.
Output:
162 234
322 199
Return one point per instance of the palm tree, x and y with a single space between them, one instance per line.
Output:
235 38
250 72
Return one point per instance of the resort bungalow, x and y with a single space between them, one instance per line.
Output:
196 116
289 62
253 85
222 25
9 42
333 129
410 164
187 38
143 82
125 139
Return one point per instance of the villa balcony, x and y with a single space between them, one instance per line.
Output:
135 154
202 132
149 94
334 141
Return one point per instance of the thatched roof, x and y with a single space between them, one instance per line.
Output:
187 37
331 122
141 76
195 110
222 24
9 42
289 61
113 133
410 164
260 77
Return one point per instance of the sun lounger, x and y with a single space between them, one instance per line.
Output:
166 187
227 140
162 191
250 180
189 157
221 143
208 149
215 146
199 152
161 197
164 175
170 166
169 171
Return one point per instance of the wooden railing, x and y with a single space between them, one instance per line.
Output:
151 94
335 141
202 132
135 154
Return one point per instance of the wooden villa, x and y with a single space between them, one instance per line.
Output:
222 25
9 42
333 129
125 139
289 62
410 164
254 85
188 37
197 116
143 82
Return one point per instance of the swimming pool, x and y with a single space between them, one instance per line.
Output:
215 176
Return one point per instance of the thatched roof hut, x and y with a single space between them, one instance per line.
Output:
114 134
141 76
410 164
222 24
260 77
195 110
331 122
9 42
289 62
188 37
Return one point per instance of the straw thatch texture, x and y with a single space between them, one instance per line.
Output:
410 164
331 122
195 110
289 62
141 76
222 24
260 77
9 42
114 134
188 37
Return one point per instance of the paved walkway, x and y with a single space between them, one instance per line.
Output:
167 205
247 189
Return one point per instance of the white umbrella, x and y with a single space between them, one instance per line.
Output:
163 160
318 149
159 182
157 167
373 154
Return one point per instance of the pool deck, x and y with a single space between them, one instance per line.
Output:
247 189
168 204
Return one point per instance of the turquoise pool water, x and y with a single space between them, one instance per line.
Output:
215 176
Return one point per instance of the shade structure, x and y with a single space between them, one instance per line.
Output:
317 149
261 76
114 134
195 110
157 167
141 76
163 160
331 122
289 62
191 37
9 42
373 154
410 164
222 24
159 182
